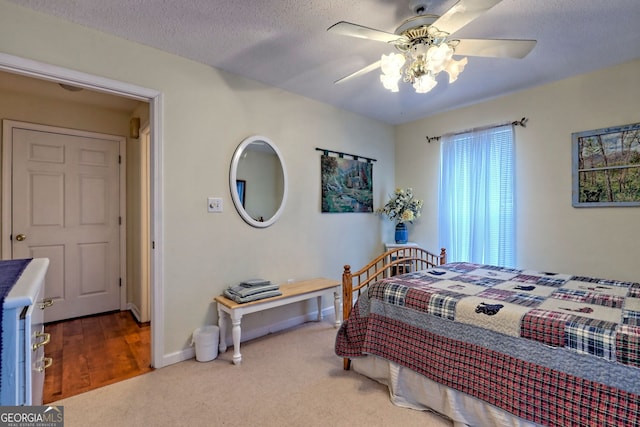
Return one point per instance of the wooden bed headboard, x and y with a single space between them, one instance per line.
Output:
388 264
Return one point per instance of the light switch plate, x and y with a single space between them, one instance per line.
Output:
214 204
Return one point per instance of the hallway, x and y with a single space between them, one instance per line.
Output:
93 351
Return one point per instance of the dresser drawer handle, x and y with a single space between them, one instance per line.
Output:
45 341
46 362
47 302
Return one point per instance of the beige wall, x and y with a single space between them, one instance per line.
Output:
207 113
48 111
551 234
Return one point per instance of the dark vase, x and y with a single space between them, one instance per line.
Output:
402 233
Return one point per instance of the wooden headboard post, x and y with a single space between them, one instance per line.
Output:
347 292
347 302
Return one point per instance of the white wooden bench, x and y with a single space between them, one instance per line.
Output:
291 292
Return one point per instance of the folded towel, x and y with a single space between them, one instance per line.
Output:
255 282
253 297
244 291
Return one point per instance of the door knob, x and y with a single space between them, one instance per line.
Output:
46 302
20 237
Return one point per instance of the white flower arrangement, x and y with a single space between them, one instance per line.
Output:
402 207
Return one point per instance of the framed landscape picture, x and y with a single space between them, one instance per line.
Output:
606 167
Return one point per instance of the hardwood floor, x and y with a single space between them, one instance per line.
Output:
94 351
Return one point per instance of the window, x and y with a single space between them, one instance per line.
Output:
476 196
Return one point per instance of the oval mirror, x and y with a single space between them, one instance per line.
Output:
258 181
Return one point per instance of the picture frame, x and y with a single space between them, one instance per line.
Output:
241 185
606 167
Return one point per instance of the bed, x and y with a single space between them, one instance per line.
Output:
493 346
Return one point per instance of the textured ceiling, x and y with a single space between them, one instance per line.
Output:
284 43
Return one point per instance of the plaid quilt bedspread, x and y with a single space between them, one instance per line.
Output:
555 349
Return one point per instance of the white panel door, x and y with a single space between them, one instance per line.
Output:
65 194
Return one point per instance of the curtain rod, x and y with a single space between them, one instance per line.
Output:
522 122
341 155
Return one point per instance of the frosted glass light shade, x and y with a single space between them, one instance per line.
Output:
438 57
424 83
455 68
392 63
391 66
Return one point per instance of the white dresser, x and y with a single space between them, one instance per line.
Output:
23 338
389 246
401 268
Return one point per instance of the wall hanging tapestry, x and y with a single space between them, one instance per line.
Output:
347 184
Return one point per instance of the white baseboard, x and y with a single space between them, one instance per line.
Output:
247 335
135 311
178 356
251 334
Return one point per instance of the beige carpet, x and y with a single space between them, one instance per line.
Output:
292 378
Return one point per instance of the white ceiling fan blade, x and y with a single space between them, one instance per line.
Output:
495 48
359 73
462 13
354 30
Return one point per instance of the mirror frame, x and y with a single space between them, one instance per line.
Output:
233 176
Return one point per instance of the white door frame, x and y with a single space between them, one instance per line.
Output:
40 70
145 214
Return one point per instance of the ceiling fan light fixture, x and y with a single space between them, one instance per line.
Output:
392 63
424 83
390 82
391 66
454 68
70 88
423 60
439 57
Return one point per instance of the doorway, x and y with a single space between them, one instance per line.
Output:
25 67
65 202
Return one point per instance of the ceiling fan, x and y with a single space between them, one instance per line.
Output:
425 46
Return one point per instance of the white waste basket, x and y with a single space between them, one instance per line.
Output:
206 341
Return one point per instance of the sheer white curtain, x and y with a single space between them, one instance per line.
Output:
476 196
